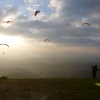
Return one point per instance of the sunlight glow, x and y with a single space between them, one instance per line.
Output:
10 40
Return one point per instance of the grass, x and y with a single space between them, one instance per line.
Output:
50 89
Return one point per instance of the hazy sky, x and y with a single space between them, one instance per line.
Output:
60 21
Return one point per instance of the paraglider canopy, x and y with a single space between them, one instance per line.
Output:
86 23
98 84
36 12
5 44
9 21
46 40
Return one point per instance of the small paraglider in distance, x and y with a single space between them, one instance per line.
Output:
46 40
9 21
87 24
6 45
36 12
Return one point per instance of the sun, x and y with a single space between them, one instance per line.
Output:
10 40
10 45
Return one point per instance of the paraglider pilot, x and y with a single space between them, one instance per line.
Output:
94 71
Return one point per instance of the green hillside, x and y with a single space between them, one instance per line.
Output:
49 89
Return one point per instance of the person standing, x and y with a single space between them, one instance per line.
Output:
94 71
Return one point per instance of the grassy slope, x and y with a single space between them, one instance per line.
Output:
49 89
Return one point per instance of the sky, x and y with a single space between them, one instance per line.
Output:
60 21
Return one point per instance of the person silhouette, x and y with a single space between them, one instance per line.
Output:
94 71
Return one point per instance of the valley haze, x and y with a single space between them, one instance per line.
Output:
74 67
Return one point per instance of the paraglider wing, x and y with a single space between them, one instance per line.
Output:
46 40
5 44
9 21
86 23
98 84
36 12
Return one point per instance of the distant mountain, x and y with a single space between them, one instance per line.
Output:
17 73
50 68
64 69
21 75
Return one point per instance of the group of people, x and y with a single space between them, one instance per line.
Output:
94 71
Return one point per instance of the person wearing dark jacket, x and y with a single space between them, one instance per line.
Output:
94 71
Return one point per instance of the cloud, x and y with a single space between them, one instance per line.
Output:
30 1
9 13
63 25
